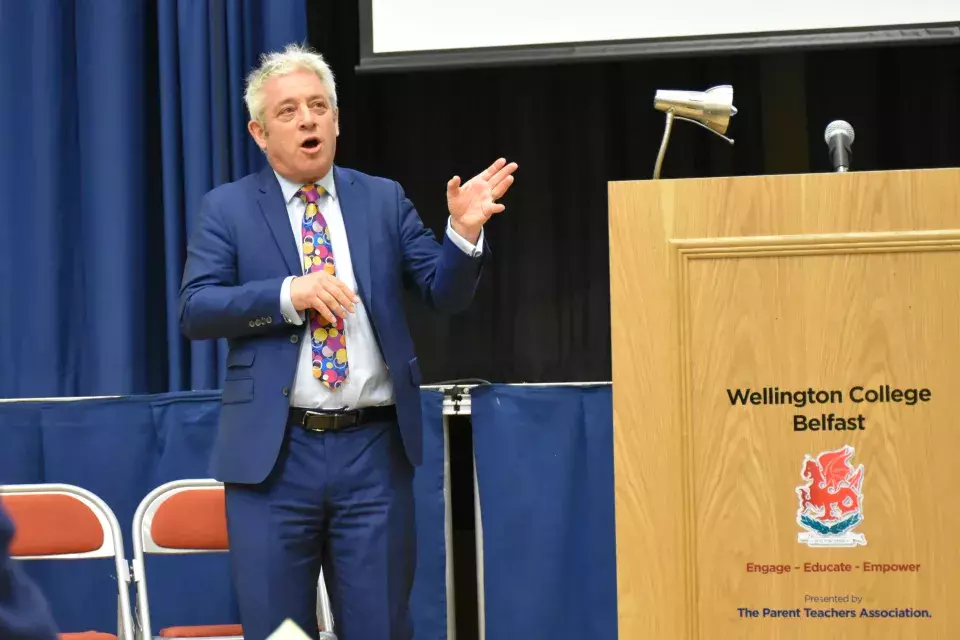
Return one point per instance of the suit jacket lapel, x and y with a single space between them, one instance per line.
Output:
355 208
274 209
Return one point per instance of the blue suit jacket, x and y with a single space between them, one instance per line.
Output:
237 259
24 613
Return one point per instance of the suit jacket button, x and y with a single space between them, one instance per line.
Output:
286 391
294 338
269 319
253 323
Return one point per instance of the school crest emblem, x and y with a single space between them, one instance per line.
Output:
831 500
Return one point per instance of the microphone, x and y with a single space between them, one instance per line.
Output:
326 635
710 109
839 138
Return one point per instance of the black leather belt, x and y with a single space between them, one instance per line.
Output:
333 420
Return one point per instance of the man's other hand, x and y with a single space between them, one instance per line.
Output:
325 293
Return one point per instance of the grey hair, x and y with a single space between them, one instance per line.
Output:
294 57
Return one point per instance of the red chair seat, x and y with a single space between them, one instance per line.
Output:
202 631
87 635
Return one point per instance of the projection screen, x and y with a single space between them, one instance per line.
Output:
404 34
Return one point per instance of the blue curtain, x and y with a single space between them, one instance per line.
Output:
428 599
544 459
123 448
119 115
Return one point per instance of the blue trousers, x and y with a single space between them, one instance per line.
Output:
340 500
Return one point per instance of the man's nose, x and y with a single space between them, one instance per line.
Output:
306 116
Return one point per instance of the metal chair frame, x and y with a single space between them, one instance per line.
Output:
112 546
143 544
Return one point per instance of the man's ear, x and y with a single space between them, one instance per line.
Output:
259 134
336 120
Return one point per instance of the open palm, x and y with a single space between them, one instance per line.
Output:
474 202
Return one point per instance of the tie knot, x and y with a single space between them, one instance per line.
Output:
310 192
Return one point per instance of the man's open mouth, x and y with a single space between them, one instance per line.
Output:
310 143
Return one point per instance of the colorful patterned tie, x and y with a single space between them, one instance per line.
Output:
329 341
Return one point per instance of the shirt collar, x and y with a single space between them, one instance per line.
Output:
289 189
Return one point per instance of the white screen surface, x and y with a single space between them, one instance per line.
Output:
411 26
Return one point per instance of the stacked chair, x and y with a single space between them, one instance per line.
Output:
189 516
59 521
65 522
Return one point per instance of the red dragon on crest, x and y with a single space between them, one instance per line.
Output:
833 487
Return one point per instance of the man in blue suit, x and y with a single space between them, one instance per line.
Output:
302 267
24 613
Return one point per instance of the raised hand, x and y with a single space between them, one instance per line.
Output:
475 201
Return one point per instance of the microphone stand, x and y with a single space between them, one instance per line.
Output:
668 127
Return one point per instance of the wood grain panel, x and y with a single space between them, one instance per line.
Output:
823 281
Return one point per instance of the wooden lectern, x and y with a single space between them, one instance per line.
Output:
786 383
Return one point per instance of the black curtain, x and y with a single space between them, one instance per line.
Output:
542 311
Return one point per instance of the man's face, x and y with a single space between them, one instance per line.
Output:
300 128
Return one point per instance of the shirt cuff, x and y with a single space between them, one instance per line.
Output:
465 246
286 303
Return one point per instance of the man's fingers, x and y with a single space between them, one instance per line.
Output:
500 189
453 185
502 174
492 169
349 292
342 295
346 290
323 309
331 303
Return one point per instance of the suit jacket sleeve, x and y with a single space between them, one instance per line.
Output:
212 302
24 613
446 276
